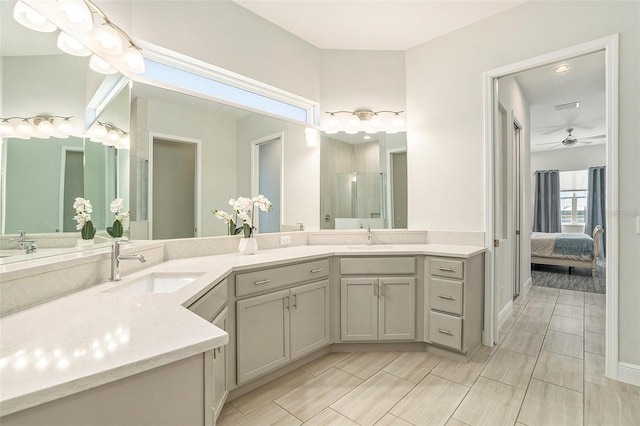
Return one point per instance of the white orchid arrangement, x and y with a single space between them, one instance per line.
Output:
82 216
243 209
117 207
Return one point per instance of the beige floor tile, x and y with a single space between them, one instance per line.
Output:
594 373
330 417
325 362
228 415
370 401
541 311
543 300
561 370
266 393
547 404
594 343
431 402
268 414
464 373
517 309
532 324
569 311
511 368
569 297
567 325
595 311
548 291
508 323
595 325
318 393
455 422
607 406
522 300
490 403
563 343
595 299
413 366
391 420
366 364
523 342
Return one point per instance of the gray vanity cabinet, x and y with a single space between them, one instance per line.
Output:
220 391
377 308
282 325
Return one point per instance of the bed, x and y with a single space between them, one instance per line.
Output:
561 249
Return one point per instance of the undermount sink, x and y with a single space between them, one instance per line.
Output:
370 247
157 282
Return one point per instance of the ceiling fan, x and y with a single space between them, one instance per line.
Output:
571 140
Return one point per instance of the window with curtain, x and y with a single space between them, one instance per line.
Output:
596 206
546 214
573 197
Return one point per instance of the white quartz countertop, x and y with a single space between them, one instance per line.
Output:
100 335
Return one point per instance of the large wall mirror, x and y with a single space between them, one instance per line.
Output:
42 176
363 181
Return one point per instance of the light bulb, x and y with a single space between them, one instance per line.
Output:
101 66
6 128
44 129
108 39
76 13
25 129
97 132
70 45
124 142
376 121
31 19
397 121
354 121
112 137
64 127
134 59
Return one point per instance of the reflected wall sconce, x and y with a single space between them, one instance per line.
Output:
109 135
84 28
42 126
363 120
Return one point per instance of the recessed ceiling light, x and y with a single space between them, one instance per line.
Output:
562 68
569 105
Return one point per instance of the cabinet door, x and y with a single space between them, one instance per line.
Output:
309 318
220 367
359 309
397 320
262 334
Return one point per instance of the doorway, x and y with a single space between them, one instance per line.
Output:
173 188
72 186
266 179
398 189
608 45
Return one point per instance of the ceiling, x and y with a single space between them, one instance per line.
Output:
583 83
373 25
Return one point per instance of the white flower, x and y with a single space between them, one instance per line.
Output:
117 206
81 218
223 215
81 205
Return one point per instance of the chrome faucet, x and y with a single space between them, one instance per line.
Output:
116 257
369 236
29 245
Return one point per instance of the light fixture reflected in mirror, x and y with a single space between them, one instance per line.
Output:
109 135
363 120
42 126
28 17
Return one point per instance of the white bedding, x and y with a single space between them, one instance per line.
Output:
542 244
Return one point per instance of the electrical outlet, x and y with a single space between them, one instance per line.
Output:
285 240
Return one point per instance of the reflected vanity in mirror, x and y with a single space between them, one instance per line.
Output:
363 180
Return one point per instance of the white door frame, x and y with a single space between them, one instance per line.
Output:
389 183
63 165
610 46
198 177
255 176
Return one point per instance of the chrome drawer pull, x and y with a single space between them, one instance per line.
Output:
447 332
313 271
262 282
444 296
446 269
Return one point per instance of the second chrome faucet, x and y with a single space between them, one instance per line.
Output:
116 257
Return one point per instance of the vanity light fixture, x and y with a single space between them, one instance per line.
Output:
41 126
109 135
80 32
364 120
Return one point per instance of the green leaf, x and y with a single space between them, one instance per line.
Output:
110 231
117 229
88 231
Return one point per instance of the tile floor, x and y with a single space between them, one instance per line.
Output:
547 370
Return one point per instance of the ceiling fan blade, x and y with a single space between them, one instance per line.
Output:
552 147
548 143
585 142
594 137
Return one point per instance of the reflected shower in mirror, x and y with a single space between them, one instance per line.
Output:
363 181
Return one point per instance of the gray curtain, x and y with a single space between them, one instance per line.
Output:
596 206
546 214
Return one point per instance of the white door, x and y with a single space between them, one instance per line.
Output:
267 180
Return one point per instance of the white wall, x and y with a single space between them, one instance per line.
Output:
226 35
576 158
301 180
351 80
445 121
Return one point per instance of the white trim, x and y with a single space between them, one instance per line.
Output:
504 313
110 87
198 178
629 373
255 176
3 181
610 45
526 287
389 191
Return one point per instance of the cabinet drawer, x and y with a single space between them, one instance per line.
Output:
270 279
447 268
445 330
446 295
209 305
378 265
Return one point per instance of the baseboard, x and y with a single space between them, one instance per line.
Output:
526 287
504 313
629 373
